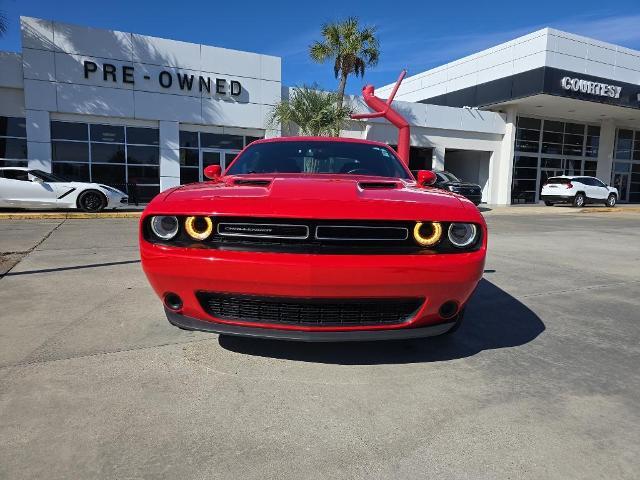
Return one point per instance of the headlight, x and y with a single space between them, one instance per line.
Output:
427 234
164 227
462 234
198 228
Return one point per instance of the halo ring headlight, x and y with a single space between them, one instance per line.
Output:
462 235
164 227
198 228
431 239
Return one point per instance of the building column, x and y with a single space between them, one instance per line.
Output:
38 140
606 149
502 168
437 158
169 155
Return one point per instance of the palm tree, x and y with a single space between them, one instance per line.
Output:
314 112
351 49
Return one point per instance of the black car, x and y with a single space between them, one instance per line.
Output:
448 181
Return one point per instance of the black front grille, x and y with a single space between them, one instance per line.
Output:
331 312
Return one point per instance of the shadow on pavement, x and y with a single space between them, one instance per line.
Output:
494 319
76 267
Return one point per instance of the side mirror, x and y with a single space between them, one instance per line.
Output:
426 177
213 172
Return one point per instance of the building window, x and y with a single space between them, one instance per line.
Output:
201 149
625 175
127 158
13 142
546 148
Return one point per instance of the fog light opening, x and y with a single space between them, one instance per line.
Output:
173 301
448 309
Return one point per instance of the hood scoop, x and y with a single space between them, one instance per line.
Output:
378 185
252 182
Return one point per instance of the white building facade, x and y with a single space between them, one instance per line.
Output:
145 114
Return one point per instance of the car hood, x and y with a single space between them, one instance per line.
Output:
314 196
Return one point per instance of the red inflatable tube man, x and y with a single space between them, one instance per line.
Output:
383 109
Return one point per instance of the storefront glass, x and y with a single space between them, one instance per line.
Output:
123 157
13 142
201 149
625 175
547 148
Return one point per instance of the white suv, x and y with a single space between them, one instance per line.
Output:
578 191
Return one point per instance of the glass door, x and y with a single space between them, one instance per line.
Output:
215 156
621 182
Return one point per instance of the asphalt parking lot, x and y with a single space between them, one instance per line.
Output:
542 380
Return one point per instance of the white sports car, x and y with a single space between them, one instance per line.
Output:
34 189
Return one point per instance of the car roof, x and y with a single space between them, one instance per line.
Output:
321 139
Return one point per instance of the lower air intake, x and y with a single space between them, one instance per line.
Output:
333 312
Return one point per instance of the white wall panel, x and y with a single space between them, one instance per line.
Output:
38 126
601 54
234 114
571 47
11 75
92 41
40 95
11 102
627 60
530 62
496 72
112 102
162 51
269 92
38 64
270 67
178 108
233 62
36 33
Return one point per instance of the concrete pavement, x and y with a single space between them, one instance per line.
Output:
540 382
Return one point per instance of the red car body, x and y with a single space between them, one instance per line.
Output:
310 289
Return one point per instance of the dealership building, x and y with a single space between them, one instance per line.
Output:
145 113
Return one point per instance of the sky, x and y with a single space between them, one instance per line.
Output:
416 35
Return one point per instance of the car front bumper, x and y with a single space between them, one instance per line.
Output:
189 323
436 278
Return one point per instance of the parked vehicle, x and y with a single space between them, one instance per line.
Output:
314 239
34 189
578 190
448 181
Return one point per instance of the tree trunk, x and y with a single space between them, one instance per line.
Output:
341 87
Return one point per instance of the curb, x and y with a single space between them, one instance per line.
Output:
614 210
67 215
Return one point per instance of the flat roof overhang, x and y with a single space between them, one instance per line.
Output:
583 111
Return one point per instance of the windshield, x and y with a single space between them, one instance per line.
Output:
48 177
559 180
318 157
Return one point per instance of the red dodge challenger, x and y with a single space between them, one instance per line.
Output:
314 239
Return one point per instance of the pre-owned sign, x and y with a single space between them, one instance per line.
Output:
592 88
220 86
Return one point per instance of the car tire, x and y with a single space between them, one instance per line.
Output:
457 323
578 200
548 203
611 200
92 201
